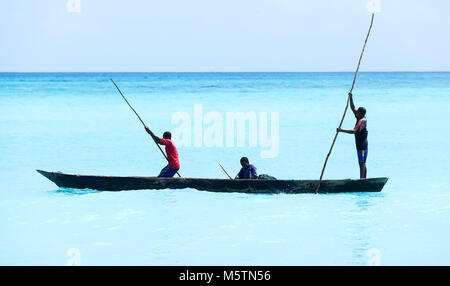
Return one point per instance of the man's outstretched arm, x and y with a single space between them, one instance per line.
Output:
346 131
156 138
352 104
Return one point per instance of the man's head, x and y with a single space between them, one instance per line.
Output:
167 135
360 112
244 162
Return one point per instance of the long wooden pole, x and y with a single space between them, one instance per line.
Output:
346 106
225 172
140 119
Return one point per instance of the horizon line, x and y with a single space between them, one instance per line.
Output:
377 71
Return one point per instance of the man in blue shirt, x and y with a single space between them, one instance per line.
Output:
360 132
248 171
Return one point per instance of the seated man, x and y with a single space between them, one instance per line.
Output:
247 171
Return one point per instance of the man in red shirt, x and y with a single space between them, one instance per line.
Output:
171 151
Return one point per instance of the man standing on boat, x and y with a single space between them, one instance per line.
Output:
171 151
360 132
248 171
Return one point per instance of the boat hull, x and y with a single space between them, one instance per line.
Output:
110 183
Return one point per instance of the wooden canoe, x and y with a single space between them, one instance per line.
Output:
110 183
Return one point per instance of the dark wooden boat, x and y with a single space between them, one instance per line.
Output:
109 183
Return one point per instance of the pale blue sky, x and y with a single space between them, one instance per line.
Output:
231 35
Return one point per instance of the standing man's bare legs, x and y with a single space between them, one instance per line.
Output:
362 170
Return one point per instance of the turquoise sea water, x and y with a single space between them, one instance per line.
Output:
78 123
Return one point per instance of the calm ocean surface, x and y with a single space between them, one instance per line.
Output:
78 123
